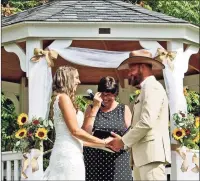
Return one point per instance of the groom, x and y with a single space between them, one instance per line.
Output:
148 137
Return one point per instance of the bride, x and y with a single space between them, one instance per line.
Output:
66 161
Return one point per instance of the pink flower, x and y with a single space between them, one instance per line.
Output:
36 122
187 132
29 134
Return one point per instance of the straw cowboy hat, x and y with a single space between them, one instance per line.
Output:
141 57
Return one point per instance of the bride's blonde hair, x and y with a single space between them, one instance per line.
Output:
63 82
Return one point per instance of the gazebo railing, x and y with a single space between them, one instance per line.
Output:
11 165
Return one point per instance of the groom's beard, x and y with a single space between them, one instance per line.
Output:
134 81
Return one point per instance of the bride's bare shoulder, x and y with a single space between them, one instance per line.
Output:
64 98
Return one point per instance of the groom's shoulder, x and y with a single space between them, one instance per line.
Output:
154 87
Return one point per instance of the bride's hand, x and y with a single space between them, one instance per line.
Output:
108 140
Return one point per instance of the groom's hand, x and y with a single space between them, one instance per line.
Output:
116 144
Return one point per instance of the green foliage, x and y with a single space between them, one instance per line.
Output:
193 102
82 103
182 9
23 5
187 10
8 123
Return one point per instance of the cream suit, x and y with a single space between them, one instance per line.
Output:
148 136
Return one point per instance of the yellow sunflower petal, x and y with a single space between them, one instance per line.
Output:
178 133
41 133
196 139
21 133
197 122
22 119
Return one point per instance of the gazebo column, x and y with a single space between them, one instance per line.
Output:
35 101
32 93
174 87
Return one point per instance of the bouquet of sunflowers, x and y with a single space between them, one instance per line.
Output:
31 133
187 130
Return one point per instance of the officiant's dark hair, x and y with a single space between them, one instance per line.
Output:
108 84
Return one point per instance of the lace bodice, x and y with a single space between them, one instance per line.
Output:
64 137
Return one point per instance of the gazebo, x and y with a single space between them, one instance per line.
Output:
105 31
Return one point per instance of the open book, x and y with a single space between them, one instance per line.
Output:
105 149
102 134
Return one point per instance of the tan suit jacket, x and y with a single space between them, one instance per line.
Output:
148 136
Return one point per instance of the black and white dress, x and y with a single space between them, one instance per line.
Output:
102 165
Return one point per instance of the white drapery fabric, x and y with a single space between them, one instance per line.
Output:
40 78
174 85
40 89
92 57
29 173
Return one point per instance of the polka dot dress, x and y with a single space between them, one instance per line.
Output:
102 165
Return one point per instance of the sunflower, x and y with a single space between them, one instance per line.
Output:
196 139
21 133
178 133
22 119
197 122
41 133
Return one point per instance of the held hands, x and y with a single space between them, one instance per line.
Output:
108 140
116 143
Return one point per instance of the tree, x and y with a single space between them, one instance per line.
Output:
8 123
184 9
10 7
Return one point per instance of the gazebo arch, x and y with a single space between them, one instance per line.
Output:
100 25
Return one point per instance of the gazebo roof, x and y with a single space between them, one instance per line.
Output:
89 11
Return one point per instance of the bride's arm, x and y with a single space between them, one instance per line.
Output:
89 118
69 115
94 145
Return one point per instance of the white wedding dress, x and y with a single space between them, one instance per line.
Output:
66 161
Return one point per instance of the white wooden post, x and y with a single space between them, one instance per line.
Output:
16 170
8 170
30 45
2 170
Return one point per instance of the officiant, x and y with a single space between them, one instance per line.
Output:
112 116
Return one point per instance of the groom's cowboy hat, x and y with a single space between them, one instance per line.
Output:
141 57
